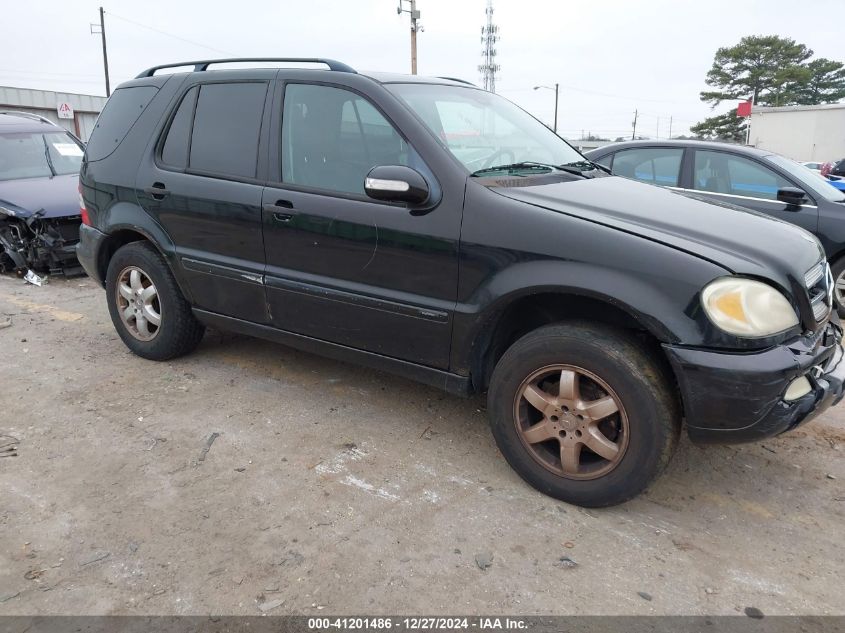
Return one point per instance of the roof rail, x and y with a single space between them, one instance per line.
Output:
202 65
28 115
460 81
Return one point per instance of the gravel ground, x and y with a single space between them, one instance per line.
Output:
332 489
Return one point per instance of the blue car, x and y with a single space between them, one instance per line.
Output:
39 196
838 182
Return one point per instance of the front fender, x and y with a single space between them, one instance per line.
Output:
660 304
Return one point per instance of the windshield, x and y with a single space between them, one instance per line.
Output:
483 130
815 183
36 155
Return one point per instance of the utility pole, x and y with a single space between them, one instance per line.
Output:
102 34
670 128
489 36
748 122
415 26
657 134
634 133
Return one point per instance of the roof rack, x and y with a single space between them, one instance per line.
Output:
28 115
202 65
460 81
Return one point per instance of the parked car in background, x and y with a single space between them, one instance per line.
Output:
837 182
435 230
738 175
835 173
822 170
39 196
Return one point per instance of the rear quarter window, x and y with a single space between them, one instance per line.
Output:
121 112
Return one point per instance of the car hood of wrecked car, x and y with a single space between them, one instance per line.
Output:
58 196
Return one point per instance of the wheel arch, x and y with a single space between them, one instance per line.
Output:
522 312
124 223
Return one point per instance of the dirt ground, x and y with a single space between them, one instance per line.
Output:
333 489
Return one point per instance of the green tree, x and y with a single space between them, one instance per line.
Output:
722 127
772 70
766 67
824 82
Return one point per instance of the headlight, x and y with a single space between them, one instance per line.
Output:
747 308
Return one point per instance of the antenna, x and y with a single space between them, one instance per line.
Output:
489 36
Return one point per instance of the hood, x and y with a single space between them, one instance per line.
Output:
58 196
742 241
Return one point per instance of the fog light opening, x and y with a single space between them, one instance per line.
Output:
798 388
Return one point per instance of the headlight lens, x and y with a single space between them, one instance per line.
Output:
747 308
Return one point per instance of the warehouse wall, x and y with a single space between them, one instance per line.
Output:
802 133
44 102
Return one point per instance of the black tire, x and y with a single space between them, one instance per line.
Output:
648 404
837 269
179 331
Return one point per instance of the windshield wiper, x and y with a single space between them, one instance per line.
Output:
524 165
586 165
47 156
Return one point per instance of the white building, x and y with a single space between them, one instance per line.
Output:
75 112
802 133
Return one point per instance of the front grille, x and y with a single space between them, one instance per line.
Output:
819 282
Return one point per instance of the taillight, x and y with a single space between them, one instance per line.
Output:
82 210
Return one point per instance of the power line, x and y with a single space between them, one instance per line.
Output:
40 72
602 94
175 37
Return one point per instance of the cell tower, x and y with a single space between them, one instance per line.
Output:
489 37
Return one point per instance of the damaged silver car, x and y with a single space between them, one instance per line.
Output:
39 198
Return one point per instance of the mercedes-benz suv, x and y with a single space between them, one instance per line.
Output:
437 231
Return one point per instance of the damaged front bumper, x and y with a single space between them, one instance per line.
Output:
744 397
36 243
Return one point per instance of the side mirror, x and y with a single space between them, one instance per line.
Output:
792 196
396 183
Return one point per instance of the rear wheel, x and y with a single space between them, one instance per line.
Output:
147 308
583 413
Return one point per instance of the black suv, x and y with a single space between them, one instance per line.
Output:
434 230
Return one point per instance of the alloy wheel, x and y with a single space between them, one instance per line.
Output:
138 303
571 421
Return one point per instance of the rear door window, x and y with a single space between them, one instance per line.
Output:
226 129
719 172
122 110
654 165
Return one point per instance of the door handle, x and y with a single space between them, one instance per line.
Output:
278 214
283 204
158 191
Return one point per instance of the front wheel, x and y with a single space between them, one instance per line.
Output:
583 413
147 308
837 269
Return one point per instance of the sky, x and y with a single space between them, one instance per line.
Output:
610 57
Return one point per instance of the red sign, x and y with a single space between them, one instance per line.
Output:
744 108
